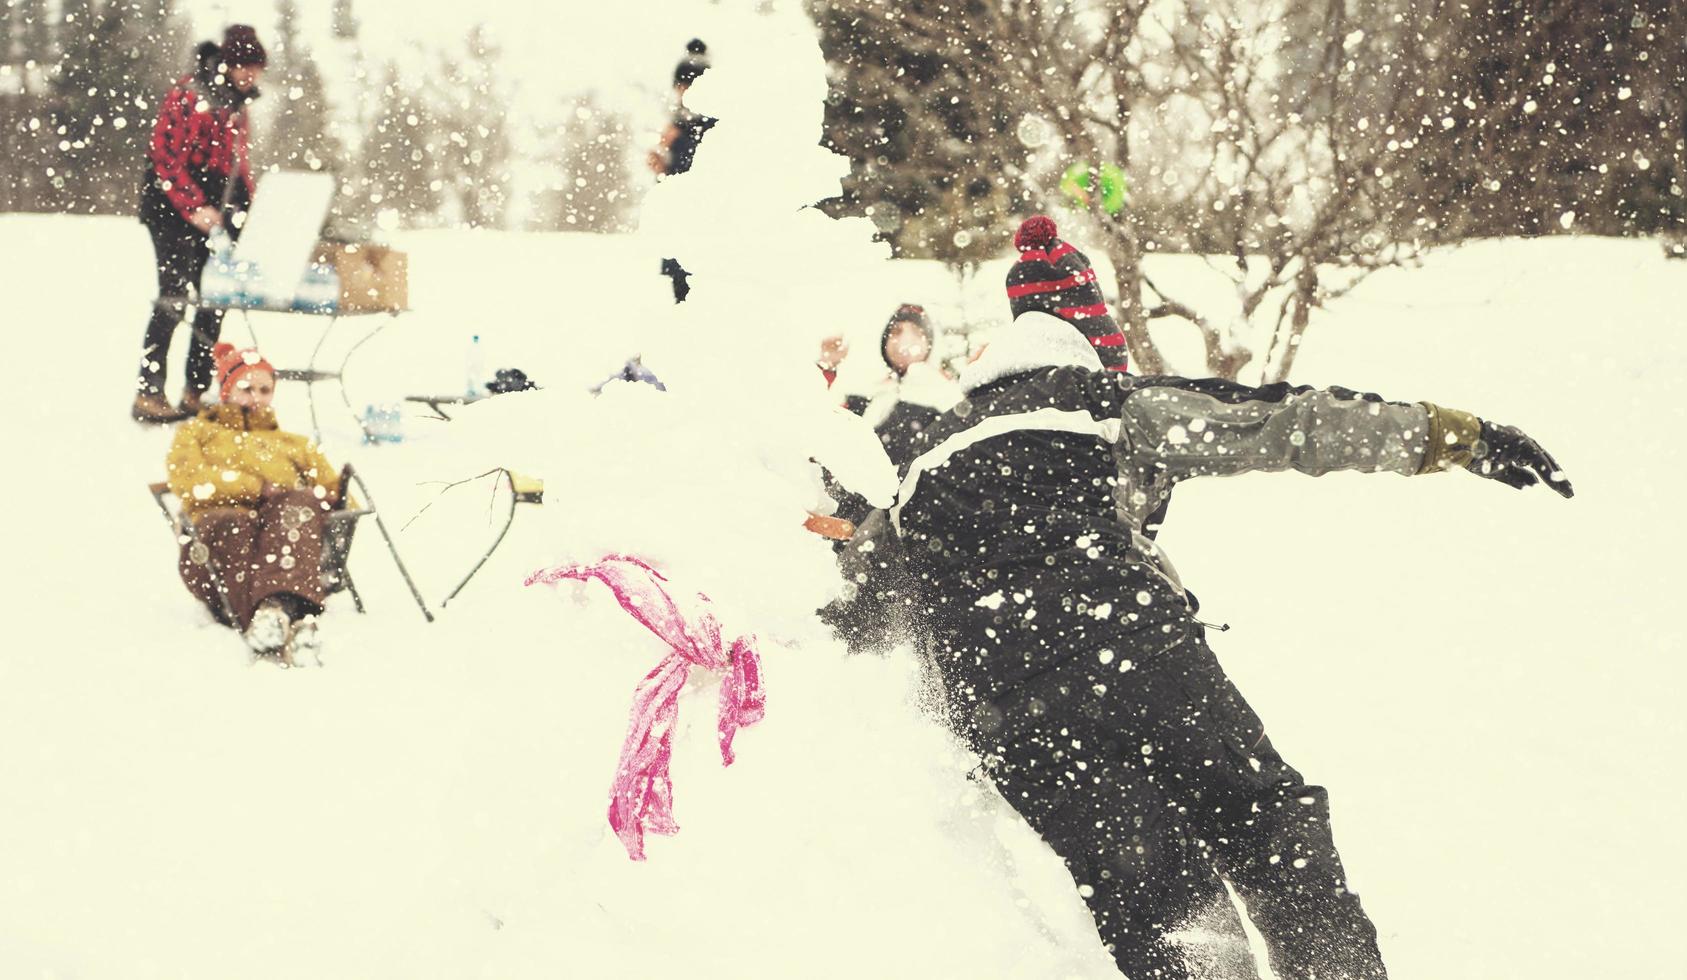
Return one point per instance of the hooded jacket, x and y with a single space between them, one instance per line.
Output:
223 457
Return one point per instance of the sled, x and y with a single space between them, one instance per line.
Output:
338 528
523 490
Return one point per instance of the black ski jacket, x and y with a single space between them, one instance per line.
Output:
1026 521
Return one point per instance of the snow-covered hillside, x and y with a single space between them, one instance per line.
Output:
1488 681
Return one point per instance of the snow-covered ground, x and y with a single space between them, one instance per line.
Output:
1488 681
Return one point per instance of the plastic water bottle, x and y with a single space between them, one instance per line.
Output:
371 425
476 370
255 293
219 283
319 290
383 423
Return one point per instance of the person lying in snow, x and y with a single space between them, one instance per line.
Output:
256 497
1068 648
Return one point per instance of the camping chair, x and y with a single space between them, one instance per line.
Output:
338 528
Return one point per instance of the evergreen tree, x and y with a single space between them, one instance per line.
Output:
401 163
590 186
296 134
116 61
470 96
26 55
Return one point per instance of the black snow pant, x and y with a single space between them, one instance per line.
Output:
1139 762
181 255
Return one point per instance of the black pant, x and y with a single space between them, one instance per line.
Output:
1122 771
181 253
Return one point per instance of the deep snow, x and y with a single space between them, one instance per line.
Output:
1487 680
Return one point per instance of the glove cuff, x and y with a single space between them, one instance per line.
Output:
1453 438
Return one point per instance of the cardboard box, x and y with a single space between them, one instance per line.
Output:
373 278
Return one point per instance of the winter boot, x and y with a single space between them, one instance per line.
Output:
270 630
192 402
304 646
152 408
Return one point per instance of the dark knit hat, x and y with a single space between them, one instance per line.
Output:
242 47
1053 277
906 313
206 57
695 63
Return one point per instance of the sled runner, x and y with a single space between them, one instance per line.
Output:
339 526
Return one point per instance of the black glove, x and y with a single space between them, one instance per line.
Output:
1508 455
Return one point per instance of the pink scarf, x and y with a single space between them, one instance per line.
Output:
642 795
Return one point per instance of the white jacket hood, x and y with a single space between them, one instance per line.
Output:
1034 340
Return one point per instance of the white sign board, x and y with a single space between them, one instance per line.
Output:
281 230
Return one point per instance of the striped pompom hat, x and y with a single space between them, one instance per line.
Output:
1053 277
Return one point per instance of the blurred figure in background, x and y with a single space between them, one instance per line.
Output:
833 350
922 392
198 180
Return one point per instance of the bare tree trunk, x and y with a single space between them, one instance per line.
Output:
1125 252
1305 297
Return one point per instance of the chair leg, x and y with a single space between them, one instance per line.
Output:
351 586
215 573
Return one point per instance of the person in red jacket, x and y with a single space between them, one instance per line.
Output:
198 179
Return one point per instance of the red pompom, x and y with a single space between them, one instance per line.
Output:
1037 231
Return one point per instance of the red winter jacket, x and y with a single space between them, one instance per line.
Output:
195 146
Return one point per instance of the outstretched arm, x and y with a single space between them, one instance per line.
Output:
1211 427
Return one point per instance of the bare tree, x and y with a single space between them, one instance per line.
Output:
929 171
1302 143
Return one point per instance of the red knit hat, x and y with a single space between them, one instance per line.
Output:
231 364
242 47
1053 277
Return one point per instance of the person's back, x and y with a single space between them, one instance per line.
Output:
1014 501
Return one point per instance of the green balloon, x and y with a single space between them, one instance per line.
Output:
1079 185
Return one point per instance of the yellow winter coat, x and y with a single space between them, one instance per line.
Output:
225 455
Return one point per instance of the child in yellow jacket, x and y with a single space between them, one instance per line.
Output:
256 496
